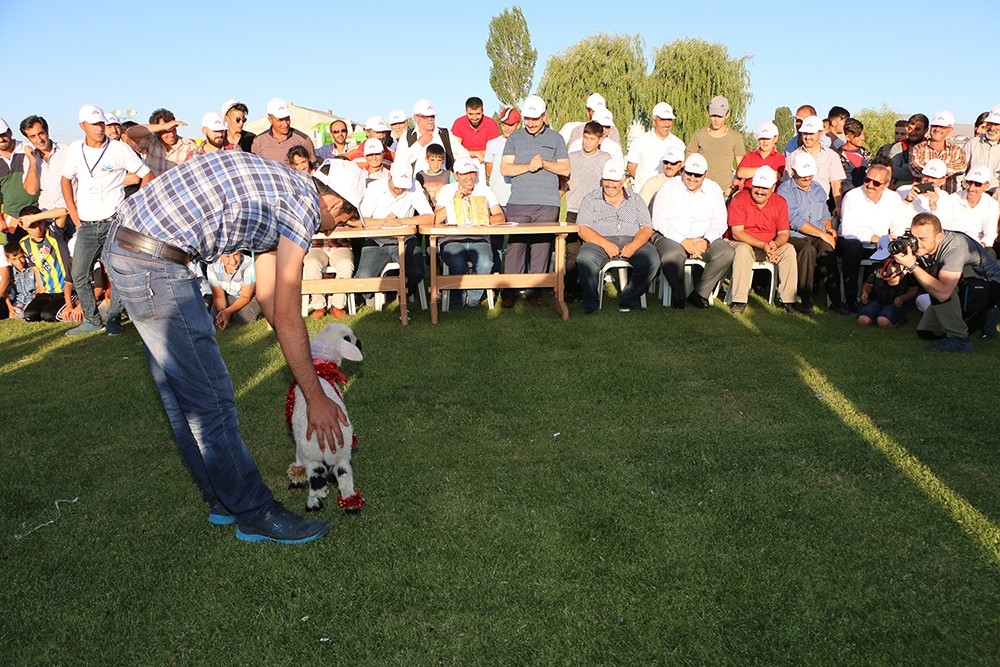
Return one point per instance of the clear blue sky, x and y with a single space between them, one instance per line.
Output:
63 54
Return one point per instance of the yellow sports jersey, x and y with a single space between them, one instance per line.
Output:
44 255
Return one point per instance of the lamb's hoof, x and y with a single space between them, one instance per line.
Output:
297 486
314 508
352 504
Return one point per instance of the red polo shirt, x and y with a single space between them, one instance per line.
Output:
775 161
474 139
761 223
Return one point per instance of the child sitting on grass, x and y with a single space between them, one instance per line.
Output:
887 296
46 250
21 289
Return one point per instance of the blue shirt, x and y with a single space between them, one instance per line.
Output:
804 206
226 201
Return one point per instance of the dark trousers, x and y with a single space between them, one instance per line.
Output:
44 307
528 253
813 253
852 251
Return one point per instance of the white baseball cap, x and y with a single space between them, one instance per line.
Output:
278 108
883 249
227 105
397 116
674 153
604 117
344 178
765 177
109 119
401 177
935 169
943 118
803 164
980 174
534 107
614 170
423 107
696 164
465 165
664 111
91 113
595 102
767 130
811 124
373 147
376 123
4 127
213 120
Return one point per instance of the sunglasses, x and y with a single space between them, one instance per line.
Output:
340 131
671 163
978 185
239 120
688 173
877 184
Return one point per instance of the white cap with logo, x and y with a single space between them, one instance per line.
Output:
401 177
534 107
376 124
373 147
596 101
943 118
803 164
423 107
767 130
811 125
213 120
4 127
935 169
696 164
674 153
764 177
664 111
397 116
278 108
465 165
344 178
91 113
614 170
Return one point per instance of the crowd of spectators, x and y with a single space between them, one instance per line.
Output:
818 215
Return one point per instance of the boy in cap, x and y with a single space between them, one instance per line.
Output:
202 209
646 151
721 145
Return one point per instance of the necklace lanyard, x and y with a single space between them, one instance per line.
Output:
107 142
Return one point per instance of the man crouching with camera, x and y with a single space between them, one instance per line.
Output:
939 260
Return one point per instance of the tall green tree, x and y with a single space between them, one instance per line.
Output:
513 60
688 73
880 126
785 121
612 65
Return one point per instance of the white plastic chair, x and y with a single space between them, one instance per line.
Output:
667 293
623 267
380 296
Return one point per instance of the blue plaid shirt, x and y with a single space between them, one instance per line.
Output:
226 201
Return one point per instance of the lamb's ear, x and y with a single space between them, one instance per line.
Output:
350 351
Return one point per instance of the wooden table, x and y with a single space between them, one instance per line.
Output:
376 284
436 233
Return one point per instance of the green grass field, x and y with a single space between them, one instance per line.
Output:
660 487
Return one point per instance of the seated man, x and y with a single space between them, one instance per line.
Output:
689 219
812 232
234 289
467 202
614 223
673 164
869 213
759 231
949 255
927 195
977 212
394 201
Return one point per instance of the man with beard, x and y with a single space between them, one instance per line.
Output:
214 127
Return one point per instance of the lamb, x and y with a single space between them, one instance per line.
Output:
313 468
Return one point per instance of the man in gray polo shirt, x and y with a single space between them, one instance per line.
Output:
534 159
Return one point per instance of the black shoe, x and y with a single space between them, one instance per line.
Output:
795 308
840 309
852 306
677 304
277 524
737 308
807 308
697 300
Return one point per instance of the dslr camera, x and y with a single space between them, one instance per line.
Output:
898 245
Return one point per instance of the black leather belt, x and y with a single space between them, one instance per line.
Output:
133 241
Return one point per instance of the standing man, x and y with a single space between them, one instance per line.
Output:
203 209
281 136
689 216
236 113
510 119
413 145
829 169
13 164
936 147
43 173
93 185
475 129
721 145
984 150
595 102
159 142
645 152
397 128
916 129
614 223
758 231
338 130
534 159
216 132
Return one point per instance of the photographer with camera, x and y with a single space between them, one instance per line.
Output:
938 259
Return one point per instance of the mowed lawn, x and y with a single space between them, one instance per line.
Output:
656 487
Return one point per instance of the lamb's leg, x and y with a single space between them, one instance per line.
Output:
350 500
317 487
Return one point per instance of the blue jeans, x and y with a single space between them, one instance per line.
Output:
90 237
374 258
164 302
645 263
456 255
874 310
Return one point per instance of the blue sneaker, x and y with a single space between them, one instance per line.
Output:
84 328
277 524
113 326
950 345
219 515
